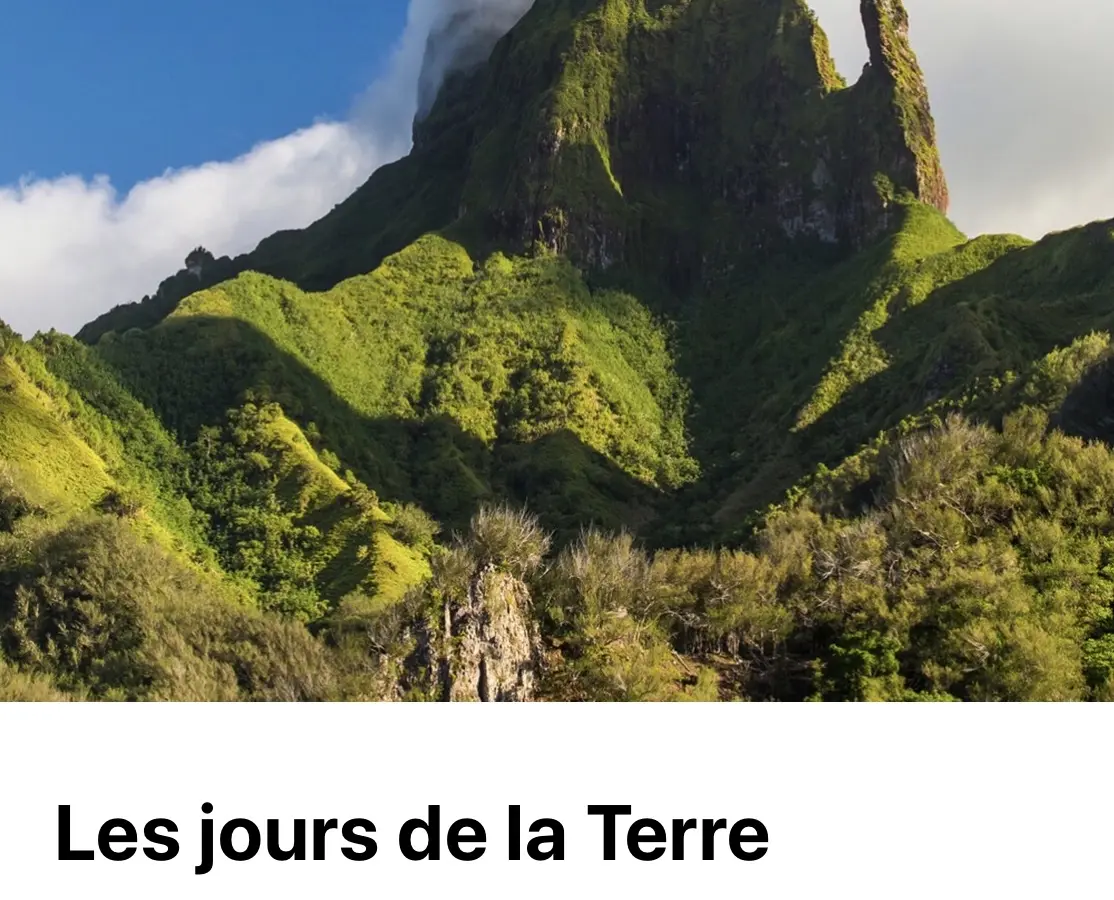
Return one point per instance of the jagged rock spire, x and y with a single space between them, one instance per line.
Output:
887 30
894 65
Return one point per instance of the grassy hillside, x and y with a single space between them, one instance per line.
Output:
438 380
924 320
249 505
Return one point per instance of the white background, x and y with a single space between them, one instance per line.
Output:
860 801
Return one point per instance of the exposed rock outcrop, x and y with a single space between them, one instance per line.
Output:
481 647
894 64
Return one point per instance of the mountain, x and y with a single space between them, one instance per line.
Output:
683 142
655 371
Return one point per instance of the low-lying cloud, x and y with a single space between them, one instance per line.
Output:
1019 88
74 248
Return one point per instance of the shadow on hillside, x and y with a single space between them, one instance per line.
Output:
1088 410
1000 319
191 371
754 357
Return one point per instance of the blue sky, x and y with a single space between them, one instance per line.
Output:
128 88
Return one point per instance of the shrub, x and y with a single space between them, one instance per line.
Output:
598 574
9 340
453 570
361 498
212 650
370 644
412 525
22 687
101 611
74 609
508 539
14 504
603 605
120 503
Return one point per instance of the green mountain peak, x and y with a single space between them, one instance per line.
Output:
673 138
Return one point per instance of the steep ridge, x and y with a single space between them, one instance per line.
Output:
439 381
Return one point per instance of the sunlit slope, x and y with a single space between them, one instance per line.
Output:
35 440
438 379
248 493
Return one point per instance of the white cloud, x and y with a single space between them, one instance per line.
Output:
74 248
1019 89
389 105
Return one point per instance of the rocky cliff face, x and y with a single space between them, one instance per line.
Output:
481 647
621 131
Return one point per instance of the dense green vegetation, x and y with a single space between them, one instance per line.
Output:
437 380
173 502
645 377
